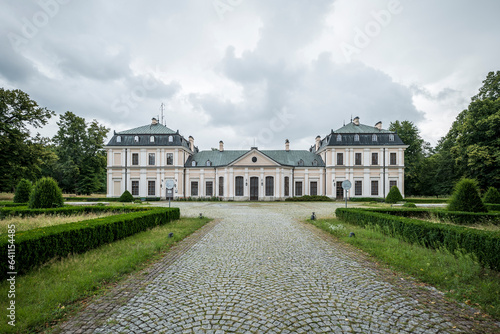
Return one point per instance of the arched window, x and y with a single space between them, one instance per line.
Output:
136 139
170 139
339 137
374 137
356 137
193 163
119 139
391 137
315 162
152 139
269 186
209 163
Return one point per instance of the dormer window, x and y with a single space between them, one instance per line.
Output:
339 137
209 163
170 139
193 163
136 139
301 162
119 139
374 137
356 137
152 139
315 162
391 137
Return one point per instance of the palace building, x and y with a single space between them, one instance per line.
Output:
149 159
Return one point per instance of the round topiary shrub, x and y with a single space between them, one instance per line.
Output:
126 197
492 196
394 195
466 198
409 205
46 194
23 191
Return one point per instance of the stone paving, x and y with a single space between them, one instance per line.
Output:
258 270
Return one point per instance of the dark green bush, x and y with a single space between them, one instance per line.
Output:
485 245
409 205
23 211
466 197
394 195
126 197
492 196
23 191
309 198
35 247
46 194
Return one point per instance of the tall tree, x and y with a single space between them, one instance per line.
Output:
82 161
415 154
20 155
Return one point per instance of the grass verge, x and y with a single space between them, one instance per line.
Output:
49 294
459 275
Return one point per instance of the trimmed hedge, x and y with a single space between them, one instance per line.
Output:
107 199
35 247
309 198
485 245
45 194
427 200
7 204
465 197
23 191
367 199
126 197
455 217
492 207
394 195
23 211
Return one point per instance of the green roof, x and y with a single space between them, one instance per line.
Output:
150 129
361 128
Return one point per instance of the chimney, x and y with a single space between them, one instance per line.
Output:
191 143
287 145
356 120
379 125
318 140
154 121
221 146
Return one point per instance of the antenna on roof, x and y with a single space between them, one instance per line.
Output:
162 108
344 122
351 118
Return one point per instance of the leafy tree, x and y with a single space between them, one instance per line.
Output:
416 152
492 196
46 194
23 191
490 88
81 167
394 195
126 197
466 197
22 156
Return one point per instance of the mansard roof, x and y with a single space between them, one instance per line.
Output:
282 157
150 129
361 128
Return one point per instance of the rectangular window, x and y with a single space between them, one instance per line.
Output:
314 188
393 159
269 186
357 159
238 186
221 186
135 188
135 159
298 189
287 186
374 158
374 188
393 183
194 188
151 188
340 158
209 189
151 160
358 188
170 159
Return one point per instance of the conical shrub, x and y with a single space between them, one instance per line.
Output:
394 195
23 191
465 197
492 196
126 197
46 194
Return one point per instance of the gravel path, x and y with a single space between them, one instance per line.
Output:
258 270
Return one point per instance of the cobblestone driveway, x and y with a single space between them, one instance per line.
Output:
259 270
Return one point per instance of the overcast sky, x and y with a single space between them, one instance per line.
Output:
246 71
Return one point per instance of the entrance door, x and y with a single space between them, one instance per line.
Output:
340 190
254 188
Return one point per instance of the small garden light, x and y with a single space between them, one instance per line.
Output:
201 215
313 216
